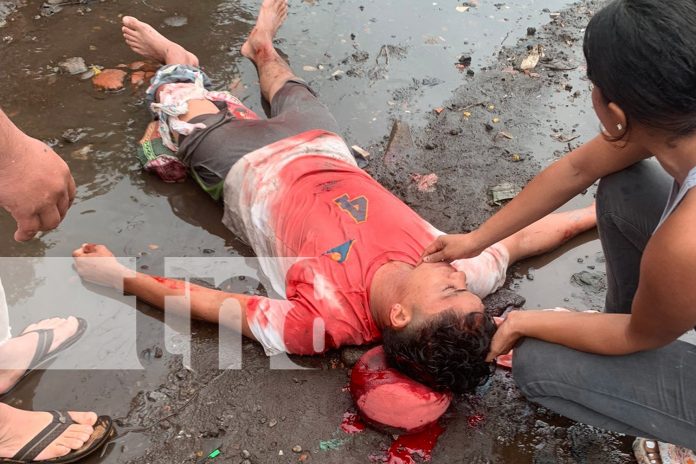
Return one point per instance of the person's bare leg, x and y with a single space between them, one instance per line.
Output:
144 40
273 71
18 427
16 354
550 232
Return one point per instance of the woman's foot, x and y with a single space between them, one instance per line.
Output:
144 40
260 41
18 427
17 353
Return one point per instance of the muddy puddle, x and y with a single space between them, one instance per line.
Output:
371 62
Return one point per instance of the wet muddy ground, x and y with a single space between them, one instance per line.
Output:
475 126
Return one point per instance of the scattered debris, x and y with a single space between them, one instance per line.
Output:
361 151
109 80
176 21
462 8
504 134
532 60
425 182
297 449
503 192
562 138
74 65
309 68
439 110
74 135
83 153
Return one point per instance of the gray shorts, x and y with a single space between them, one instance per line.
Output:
212 152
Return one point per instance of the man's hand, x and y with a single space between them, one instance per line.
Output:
96 264
451 247
36 186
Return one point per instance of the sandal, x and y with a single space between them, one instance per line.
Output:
60 423
43 355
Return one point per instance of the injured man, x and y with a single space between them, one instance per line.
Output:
291 188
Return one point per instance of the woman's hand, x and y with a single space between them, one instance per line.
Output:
504 338
96 264
451 247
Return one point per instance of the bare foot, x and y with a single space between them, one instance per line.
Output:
17 353
144 40
18 427
271 17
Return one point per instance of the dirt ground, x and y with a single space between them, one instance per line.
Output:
474 126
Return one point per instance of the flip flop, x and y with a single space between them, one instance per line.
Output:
60 423
43 355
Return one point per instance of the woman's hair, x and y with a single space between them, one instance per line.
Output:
446 352
642 56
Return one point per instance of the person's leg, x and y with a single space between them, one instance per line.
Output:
643 394
629 207
17 353
273 71
18 427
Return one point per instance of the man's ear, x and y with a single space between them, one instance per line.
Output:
399 316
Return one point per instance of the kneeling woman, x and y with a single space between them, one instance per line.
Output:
623 369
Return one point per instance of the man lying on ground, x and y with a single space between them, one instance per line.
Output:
292 189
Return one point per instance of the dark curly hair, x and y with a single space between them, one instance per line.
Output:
641 55
447 352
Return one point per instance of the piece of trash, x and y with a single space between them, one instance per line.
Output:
532 60
503 192
465 60
109 80
490 107
360 151
137 78
176 21
297 449
466 114
152 246
496 120
462 8
562 138
83 153
439 110
425 182
73 135
74 65
506 135
333 444
515 157
280 452
309 68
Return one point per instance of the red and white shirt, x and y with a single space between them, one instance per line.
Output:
303 199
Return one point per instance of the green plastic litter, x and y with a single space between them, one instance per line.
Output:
334 444
214 454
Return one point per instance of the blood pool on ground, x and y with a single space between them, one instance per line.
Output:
386 397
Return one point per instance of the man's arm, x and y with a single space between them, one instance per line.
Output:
550 232
95 263
35 183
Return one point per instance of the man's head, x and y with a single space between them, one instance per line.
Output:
438 333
